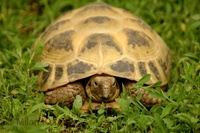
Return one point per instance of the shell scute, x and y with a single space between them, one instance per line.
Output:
102 39
97 20
142 68
45 75
60 41
54 27
99 48
59 72
138 38
78 68
154 69
123 66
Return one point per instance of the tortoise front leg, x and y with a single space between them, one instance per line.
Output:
146 99
65 95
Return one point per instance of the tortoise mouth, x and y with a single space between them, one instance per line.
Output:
99 98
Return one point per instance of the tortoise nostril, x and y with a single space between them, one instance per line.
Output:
104 98
106 92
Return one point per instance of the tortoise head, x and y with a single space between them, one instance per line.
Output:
103 88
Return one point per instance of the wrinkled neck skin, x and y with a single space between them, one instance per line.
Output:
103 88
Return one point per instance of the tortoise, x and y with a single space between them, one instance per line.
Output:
91 50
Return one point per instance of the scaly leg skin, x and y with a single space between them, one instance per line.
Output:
146 99
96 106
65 95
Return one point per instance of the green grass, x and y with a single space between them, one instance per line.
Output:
21 104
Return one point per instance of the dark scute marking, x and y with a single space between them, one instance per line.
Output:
163 65
141 23
78 68
45 75
100 39
113 44
61 41
54 27
90 44
154 69
59 72
123 66
97 19
138 38
142 68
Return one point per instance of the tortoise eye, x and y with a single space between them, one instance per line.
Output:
114 84
95 84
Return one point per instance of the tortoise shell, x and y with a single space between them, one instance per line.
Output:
101 39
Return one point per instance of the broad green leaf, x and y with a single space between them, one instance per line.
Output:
102 109
169 122
155 84
39 65
167 110
37 107
160 123
186 77
123 94
187 119
124 104
143 121
137 103
142 81
77 104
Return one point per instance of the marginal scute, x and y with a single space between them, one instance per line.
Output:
60 41
142 68
97 19
123 66
45 75
163 64
154 69
78 68
137 38
59 72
